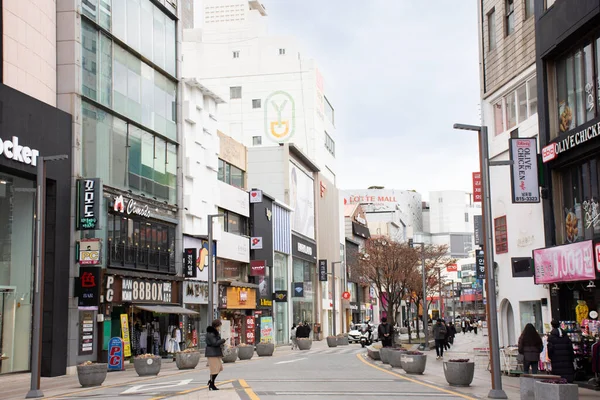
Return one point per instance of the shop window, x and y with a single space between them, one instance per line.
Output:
500 235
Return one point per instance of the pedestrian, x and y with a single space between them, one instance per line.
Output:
463 326
439 334
214 352
530 346
446 336
385 333
474 326
560 352
452 329
293 334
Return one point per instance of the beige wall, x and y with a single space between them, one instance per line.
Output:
30 47
513 53
231 151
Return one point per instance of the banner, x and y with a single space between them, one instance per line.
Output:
524 170
570 262
266 329
477 188
125 335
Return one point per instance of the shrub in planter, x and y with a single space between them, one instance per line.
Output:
395 357
459 372
245 351
147 364
230 354
332 341
265 349
91 374
304 343
342 340
187 359
413 362
558 389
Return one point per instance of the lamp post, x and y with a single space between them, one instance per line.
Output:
333 295
423 272
496 392
211 311
36 341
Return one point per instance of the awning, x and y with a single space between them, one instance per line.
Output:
166 309
361 231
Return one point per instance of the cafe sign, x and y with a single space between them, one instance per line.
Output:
146 291
130 207
89 196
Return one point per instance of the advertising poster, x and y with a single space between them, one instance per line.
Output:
302 201
125 335
266 329
524 171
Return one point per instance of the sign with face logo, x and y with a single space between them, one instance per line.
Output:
280 116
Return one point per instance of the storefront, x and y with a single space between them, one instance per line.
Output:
282 246
304 280
237 309
30 129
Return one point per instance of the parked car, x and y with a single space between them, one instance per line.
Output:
356 333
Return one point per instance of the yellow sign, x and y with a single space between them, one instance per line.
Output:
125 336
266 303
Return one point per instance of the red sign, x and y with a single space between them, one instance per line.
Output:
346 295
477 187
258 267
250 325
451 267
87 280
549 152
566 263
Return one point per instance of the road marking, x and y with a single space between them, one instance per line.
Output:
153 386
457 394
197 389
248 390
290 361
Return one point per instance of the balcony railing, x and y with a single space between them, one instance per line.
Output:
141 258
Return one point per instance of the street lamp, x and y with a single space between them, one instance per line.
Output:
211 311
496 392
333 294
36 342
424 316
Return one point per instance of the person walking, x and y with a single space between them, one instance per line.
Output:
293 333
214 352
560 352
439 334
464 326
452 330
446 336
530 346
474 325
385 333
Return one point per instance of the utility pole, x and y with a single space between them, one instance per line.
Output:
211 265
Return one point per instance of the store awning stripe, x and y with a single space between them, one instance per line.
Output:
166 309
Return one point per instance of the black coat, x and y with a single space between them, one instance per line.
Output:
531 351
560 352
213 343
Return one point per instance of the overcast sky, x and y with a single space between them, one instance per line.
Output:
399 74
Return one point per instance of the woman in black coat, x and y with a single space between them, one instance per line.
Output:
214 353
561 354
530 346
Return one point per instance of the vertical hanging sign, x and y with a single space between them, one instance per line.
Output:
89 196
322 270
125 335
480 264
189 262
524 170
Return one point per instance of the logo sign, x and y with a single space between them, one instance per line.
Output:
146 291
256 243
477 187
280 296
130 207
346 295
89 251
269 214
115 354
280 116
452 268
125 335
87 288
570 262
266 302
478 229
195 292
480 264
549 153
256 196
88 204
524 171
322 270
250 326
258 267
298 289
189 263
14 151
86 330
569 142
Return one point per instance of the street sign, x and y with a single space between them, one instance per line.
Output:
478 226
477 188
323 270
480 264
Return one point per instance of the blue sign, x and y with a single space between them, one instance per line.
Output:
298 289
115 354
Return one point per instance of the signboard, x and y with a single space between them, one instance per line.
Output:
322 270
280 296
89 196
452 268
87 288
256 196
480 264
304 249
130 207
195 292
89 251
478 230
524 170
256 243
298 289
222 296
115 354
477 187
346 295
189 263
250 326
570 262
258 267
564 143
125 335
137 290
86 333
266 329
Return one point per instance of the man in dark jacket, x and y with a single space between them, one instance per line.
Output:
385 333
439 334
560 352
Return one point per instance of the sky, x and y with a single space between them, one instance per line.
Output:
399 74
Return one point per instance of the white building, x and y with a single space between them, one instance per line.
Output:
509 109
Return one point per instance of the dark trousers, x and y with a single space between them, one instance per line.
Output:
439 347
532 364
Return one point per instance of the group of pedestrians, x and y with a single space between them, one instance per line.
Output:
302 330
443 334
470 325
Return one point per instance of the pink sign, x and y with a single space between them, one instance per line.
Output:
571 262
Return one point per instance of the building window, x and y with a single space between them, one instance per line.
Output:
498 118
256 140
97 69
532 96
511 110
329 112
522 103
256 103
234 223
529 8
236 54
329 144
515 107
235 92
500 235
282 52
549 3
466 217
492 29
231 174
510 16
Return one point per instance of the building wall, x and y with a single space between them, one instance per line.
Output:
29 47
267 169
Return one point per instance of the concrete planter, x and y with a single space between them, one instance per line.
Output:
147 366
332 341
459 373
245 352
265 349
384 355
413 364
395 357
91 375
342 341
230 355
373 353
526 384
304 344
187 360
553 391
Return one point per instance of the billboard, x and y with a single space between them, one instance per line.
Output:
302 201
